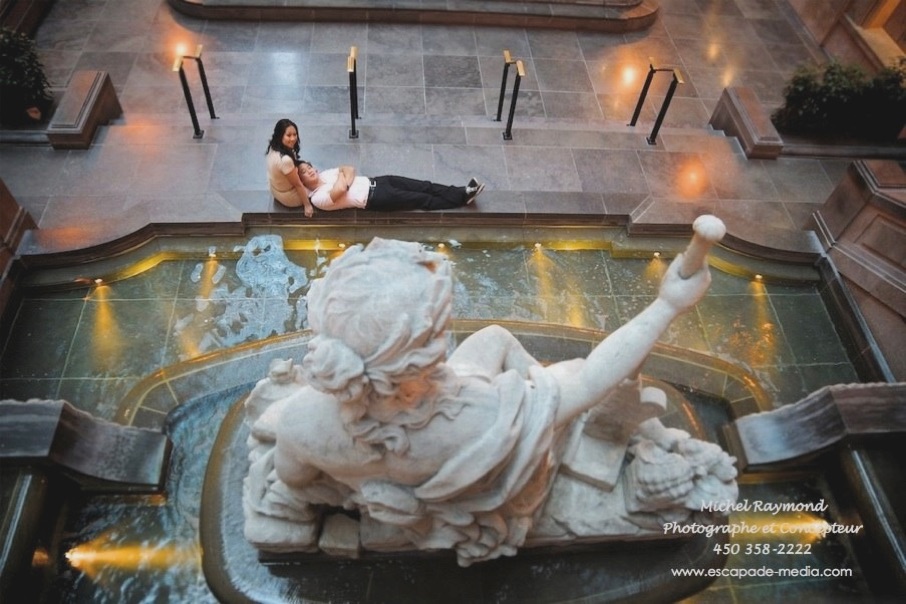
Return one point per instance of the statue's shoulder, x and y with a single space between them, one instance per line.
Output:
309 410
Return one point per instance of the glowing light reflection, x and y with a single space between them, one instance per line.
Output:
106 341
571 245
692 180
654 270
102 554
629 76
727 77
757 287
795 527
40 557
545 272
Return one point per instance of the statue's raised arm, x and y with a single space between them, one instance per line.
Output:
583 384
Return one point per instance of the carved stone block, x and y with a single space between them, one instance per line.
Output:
89 101
739 113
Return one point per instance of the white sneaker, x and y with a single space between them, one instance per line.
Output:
473 190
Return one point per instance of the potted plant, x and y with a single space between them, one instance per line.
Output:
843 101
24 94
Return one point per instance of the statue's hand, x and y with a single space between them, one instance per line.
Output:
682 294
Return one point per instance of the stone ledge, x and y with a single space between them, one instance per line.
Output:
823 419
100 456
739 113
619 17
24 16
88 102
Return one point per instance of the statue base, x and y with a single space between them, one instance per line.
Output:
599 572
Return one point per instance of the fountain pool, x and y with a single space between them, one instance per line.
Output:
127 338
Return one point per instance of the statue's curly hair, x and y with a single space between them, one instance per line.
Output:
378 316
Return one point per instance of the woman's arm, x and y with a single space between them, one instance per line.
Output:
296 182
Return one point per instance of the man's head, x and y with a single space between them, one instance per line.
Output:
309 176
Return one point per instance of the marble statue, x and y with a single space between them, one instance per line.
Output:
380 441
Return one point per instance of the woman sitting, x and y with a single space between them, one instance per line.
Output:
283 167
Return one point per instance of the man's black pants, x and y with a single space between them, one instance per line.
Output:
390 193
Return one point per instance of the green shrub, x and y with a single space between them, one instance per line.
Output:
841 100
24 94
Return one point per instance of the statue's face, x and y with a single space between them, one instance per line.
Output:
413 391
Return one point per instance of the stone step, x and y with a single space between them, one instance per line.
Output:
613 16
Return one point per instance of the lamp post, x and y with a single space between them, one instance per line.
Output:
638 107
204 79
352 69
177 66
354 82
507 61
520 73
677 79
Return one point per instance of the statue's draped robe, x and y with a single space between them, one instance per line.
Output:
483 501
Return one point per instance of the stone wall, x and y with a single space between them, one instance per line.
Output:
14 222
863 228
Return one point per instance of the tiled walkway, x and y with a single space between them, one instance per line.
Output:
428 99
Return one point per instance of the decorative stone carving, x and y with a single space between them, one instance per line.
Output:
481 452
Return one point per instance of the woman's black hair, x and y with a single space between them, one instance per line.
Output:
276 142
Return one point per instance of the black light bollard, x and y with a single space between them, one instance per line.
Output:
204 79
353 95
354 79
177 66
507 61
644 93
520 73
677 79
